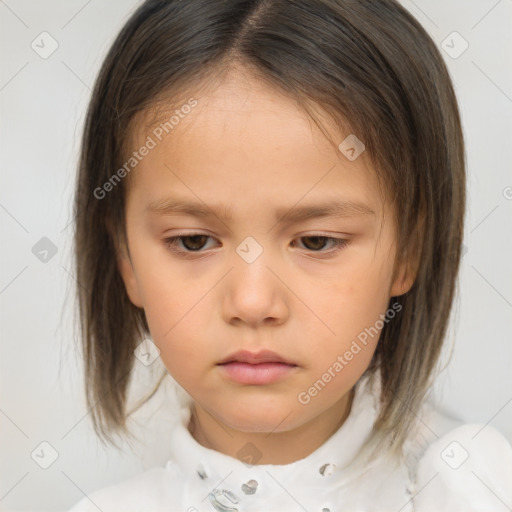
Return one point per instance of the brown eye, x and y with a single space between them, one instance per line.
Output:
187 243
315 243
194 242
325 246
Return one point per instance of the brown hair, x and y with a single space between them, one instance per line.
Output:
367 65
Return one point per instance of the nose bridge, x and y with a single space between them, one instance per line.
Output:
253 293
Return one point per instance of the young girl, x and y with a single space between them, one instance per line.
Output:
271 195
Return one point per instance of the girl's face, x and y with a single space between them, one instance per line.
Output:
243 177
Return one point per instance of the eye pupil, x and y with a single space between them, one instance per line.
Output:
196 242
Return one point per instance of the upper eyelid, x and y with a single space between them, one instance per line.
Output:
307 235
299 235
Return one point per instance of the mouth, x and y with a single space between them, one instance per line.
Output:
265 356
256 368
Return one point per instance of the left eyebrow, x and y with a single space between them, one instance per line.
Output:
340 209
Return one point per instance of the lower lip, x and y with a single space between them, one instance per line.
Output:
263 373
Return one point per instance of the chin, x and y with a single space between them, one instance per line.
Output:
254 420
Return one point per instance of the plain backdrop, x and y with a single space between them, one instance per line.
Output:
43 102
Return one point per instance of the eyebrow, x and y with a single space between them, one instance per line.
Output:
338 208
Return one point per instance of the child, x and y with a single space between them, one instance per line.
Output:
272 192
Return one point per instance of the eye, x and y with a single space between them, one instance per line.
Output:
317 243
191 242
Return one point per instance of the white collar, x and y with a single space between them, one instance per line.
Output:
229 482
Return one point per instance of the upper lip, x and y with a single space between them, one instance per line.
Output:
264 356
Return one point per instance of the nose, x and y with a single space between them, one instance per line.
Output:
253 294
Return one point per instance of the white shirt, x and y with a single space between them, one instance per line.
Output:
448 467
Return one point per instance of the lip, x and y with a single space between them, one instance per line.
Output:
256 374
265 367
264 356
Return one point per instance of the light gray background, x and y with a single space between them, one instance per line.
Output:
43 103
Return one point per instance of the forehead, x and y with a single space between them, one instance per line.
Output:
243 136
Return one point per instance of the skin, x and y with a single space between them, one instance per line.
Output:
249 147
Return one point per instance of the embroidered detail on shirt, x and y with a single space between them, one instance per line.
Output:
222 500
250 487
327 469
201 472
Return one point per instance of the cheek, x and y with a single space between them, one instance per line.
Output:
351 307
175 317
178 314
163 290
177 331
361 292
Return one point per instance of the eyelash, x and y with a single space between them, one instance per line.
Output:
172 242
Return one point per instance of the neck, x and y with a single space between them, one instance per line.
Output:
272 447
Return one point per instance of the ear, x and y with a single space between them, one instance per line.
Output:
125 267
130 281
404 279
407 271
